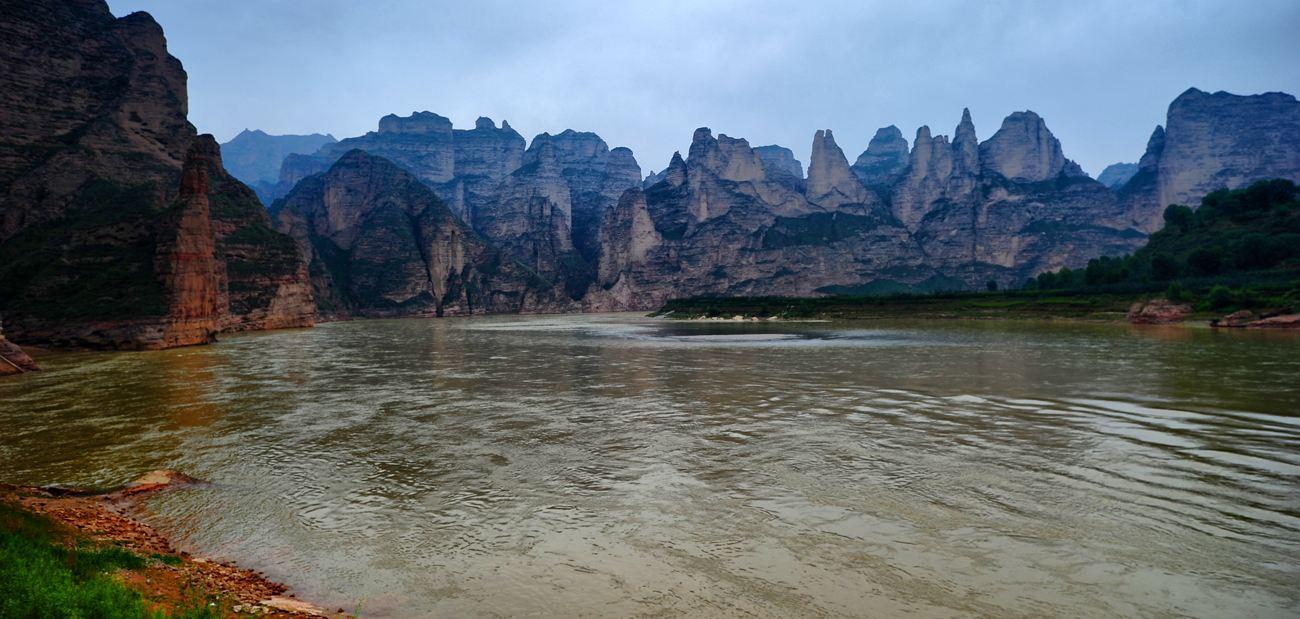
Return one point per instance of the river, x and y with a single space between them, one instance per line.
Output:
613 465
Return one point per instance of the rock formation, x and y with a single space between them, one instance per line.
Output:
381 243
103 241
831 183
780 166
254 157
1214 141
1117 174
462 166
717 224
13 360
885 158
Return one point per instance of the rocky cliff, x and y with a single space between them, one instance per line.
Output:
463 166
103 240
885 158
1213 141
254 157
381 243
718 225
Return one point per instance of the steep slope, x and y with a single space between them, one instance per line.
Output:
103 241
1214 141
380 243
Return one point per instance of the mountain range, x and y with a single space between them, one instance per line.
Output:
121 226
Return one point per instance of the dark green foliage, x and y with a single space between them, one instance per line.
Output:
1244 231
991 285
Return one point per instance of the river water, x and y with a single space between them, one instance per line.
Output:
614 465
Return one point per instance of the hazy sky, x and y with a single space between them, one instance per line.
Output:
645 74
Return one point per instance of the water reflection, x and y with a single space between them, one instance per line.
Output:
610 465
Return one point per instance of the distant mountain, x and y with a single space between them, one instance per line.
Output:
1117 174
380 243
1214 141
119 227
254 156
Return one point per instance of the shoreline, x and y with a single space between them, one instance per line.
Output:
171 579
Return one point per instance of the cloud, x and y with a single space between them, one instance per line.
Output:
645 74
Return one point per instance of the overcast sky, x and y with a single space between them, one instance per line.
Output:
645 74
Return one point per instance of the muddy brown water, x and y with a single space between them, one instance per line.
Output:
612 465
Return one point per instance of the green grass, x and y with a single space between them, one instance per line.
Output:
46 571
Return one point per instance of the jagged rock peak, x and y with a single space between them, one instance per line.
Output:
727 157
1155 145
966 147
675 173
830 180
1023 149
484 122
417 123
885 159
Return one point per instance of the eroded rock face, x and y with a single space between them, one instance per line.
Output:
884 160
1213 141
104 242
718 224
1023 150
831 183
780 166
462 166
381 243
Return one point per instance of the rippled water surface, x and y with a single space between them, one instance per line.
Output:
615 466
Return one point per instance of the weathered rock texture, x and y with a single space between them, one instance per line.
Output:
1158 312
949 214
463 167
1214 141
381 243
254 157
885 158
717 224
103 242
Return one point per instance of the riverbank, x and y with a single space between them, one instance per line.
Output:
81 553
1018 304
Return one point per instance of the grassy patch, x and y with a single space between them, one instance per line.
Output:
47 570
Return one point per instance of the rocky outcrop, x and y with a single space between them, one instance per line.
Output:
254 157
717 224
1117 174
104 242
885 159
1023 150
780 166
831 183
186 261
381 243
462 166
13 360
1214 141
1158 312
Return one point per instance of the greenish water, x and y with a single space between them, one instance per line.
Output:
616 466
